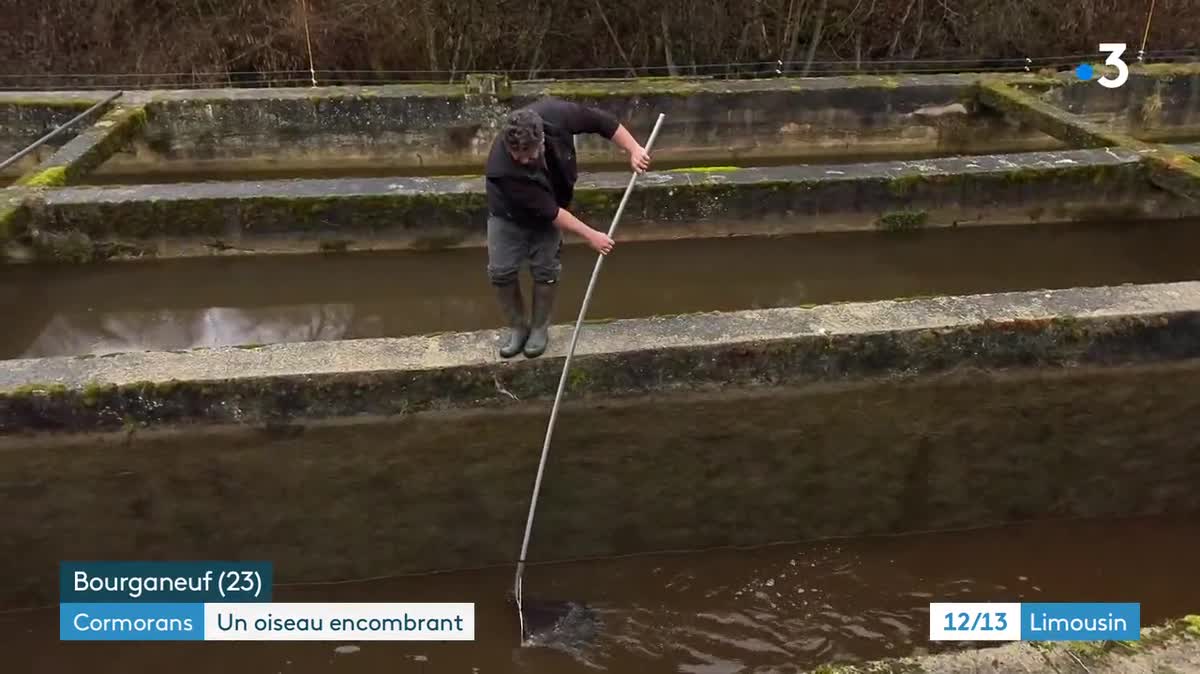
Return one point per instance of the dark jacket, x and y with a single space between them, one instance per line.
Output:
531 195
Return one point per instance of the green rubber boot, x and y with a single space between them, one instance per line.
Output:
513 306
543 306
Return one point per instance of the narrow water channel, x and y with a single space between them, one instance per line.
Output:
778 609
185 303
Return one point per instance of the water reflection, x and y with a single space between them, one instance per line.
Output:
206 302
100 333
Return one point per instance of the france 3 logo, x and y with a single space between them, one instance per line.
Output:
1086 72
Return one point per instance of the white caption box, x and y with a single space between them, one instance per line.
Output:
339 622
974 621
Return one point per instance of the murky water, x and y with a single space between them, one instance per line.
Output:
184 303
777 609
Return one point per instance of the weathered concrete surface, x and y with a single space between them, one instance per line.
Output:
13 214
25 117
425 213
1158 102
1172 648
707 121
1170 170
1052 120
684 470
90 148
286 382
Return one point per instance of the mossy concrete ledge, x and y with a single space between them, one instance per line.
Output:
427 213
89 149
1171 647
14 216
451 125
794 346
27 116
1169 169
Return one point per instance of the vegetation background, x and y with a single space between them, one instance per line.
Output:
210 39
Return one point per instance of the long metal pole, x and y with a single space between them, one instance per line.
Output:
562 381
38 143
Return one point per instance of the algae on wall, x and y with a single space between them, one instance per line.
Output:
1170 647
90 148
1170 170
14 216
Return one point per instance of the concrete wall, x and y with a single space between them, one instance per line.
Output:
428 213
26 117
708 121
437 126
1156 103
441 127
450 490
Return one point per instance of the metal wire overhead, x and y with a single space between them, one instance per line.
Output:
750 69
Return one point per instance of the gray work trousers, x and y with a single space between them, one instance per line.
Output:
510 245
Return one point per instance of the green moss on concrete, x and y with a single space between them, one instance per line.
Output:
453 214
94 393
1025 174
1046 117
899 221
1166 69
33 101
1170 170
89 149
37 390
121 126
1152 638
705 169
877 81
487 85
14 217
1106 656
1173 171
577 380
597 202
1092 651
54 176
904 185
139 116
664 86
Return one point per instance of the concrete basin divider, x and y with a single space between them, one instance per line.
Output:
437 212
444 125
1169 169
722 122
286 383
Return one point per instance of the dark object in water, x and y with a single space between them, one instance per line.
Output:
562 624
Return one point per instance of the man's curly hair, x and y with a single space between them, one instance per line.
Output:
523 131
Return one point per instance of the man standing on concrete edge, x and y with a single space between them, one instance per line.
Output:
531 175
